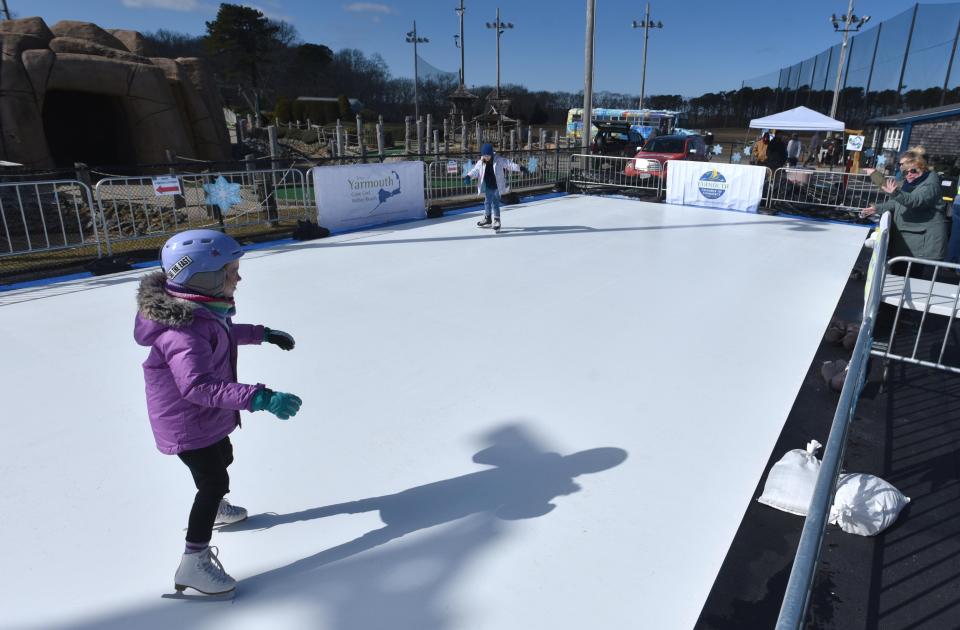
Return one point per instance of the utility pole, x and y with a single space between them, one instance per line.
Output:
646 24
6 11
588 78
413 39
850 23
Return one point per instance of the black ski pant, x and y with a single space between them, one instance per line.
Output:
208 466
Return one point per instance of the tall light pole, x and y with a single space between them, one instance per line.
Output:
459 42
6 11
413 39
588 78
501 27
646 24
850 23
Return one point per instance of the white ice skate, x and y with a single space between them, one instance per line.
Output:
203 572
229 514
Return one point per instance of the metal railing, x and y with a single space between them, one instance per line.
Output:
131 209
47 216
797 597
805 189
444 178
928 297
602 171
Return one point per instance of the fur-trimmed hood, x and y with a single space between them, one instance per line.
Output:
158 311
154 303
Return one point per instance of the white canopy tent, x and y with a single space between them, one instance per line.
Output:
797 119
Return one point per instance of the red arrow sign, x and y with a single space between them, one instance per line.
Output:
166 189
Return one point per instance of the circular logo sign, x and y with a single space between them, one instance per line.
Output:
712 185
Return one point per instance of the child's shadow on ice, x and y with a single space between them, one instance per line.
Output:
523 484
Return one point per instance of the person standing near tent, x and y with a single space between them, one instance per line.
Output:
812 149
492 171
794 148
776 151
760 149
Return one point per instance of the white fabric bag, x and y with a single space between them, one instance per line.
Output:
790 484
865 505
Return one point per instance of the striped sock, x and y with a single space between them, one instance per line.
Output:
195 547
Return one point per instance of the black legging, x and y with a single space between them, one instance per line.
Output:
208 466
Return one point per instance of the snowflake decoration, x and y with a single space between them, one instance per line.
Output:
532 164
223 194
736 157
718 149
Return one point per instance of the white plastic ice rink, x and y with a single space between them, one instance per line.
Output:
559 426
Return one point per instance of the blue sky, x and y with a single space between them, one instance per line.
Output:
704 46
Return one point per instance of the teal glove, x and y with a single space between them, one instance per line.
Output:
278 338
466 180
281 405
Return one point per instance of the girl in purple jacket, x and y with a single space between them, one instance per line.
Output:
193 397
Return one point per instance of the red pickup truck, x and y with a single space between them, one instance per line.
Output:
651 160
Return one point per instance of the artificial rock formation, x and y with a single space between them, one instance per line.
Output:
143 106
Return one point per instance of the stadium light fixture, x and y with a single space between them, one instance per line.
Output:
501 27
413 38
844 24
646 24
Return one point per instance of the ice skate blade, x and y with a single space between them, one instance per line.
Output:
199 596
227 524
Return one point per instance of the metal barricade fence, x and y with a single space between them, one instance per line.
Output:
132 209
602 171
541 166
310 194
124 211
926 296
48 216
806 189
796 599
444 178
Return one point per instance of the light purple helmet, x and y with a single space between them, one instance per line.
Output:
196 259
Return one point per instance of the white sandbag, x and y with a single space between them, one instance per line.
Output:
790 484
865 505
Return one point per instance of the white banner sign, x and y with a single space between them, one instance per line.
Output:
727 186
362 195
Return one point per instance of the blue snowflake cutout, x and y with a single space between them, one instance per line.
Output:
532 164
223 194
735 157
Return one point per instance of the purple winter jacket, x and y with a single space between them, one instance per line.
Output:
193 397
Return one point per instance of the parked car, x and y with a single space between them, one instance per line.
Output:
651 160
616 139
